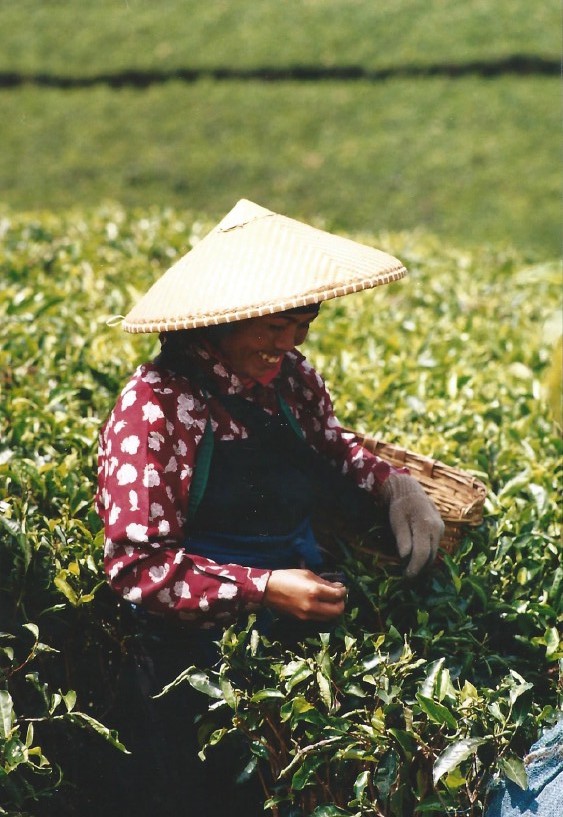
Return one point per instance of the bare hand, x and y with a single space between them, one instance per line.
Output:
304 595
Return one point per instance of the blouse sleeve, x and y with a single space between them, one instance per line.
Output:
146 461
315 413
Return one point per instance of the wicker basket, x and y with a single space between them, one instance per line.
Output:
459 496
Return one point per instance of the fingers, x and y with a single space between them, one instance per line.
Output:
427 533
304 595
418 529
401 526
322 612
422 551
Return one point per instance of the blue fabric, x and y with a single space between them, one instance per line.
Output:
267 552
544 795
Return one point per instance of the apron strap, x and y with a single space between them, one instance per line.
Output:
289 416
201 471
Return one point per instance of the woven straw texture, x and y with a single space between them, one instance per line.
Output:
458 496
254 263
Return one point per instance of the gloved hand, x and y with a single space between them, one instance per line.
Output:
414 520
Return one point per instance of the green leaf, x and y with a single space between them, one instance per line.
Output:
298 708
305 773
405 740
552 641
56 698
212 740
356 690
516 485
15 752
267 695
518 686
6 713
455 754
454 780
198 679
41 647
513 768
329 811
360 784
430 804
61 584
436 711
29 735
228 691
70 700
301 673
249 769
109 735
469 692
453 570
429 685
385 774
477 588
33 629
324 689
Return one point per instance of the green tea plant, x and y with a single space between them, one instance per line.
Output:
406 707
342 725
424 694
26 703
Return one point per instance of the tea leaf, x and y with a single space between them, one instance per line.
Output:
515 770
109 735
436 711
6 713
455 754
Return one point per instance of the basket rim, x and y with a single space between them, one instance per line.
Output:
462 505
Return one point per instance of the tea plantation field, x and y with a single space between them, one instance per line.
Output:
425 694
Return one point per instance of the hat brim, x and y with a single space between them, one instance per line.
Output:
256 262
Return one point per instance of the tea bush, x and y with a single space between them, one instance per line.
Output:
424 694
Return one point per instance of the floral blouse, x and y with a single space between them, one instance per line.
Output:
147 454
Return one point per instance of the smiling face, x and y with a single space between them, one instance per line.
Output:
254 348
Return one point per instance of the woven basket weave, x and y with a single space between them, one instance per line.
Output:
459 496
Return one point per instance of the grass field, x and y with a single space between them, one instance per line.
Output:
468 157
77 38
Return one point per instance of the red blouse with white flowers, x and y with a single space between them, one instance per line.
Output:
147 455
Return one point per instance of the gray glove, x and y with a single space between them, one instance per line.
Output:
414 520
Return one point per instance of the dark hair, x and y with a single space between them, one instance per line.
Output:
302 310
174 343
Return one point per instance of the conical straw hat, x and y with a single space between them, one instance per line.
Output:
253 263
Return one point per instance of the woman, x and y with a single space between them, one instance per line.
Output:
213 456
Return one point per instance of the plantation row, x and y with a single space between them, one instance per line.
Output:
425 694
111 35
424 120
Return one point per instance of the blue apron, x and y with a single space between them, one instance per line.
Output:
251 498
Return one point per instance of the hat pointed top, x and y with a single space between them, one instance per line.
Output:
257 262
242 213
